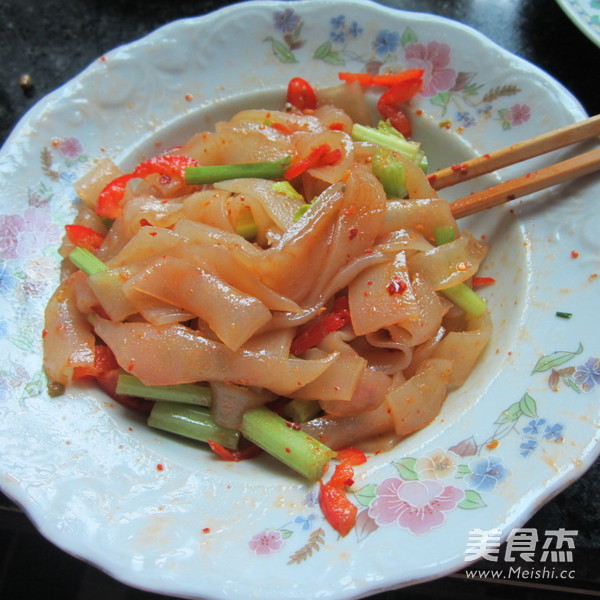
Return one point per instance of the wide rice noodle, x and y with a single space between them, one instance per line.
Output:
185 298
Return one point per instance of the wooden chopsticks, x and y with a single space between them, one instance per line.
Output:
527 184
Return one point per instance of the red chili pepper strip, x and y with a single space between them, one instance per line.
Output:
173 165
362 78
402 92
281 128
330 158
481 281
398 119
104 360
389 104
341 303
308 162
329 323
249 451
109 199
394 79
84 237
301 95
337 508
385 79
343 476
351 456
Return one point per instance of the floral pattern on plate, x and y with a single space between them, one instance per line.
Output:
422 491
456 94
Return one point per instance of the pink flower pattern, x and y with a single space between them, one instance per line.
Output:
434 58
70 148
418 506
22 236
266 542
518 114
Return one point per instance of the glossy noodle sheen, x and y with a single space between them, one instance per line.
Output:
341 304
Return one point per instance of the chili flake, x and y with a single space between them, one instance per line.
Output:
397 286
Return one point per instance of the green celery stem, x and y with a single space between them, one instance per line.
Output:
461 294
444 235
301 411
290 445
186 393
363 133
246 226
464 297
273 169
86 261
390 172
194 422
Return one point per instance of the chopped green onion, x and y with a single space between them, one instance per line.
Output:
388 137
246 225
301 411
464 297
390 172
461 294
194 422
444 235
300 212
287 443
86 261
186 393
564 315
285 187
273 169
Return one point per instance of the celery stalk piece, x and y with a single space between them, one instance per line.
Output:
301 411
301 211
273 169
461 294
291 446
193 422
86 261
464 297
285 187
390 172
444 235
185 393
387 137
246 225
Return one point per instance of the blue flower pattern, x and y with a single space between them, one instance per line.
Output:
287 20
466 119
533 427
539 428
587 376
528 447
305 523
486 473
553 432
7 281
341 31
386 42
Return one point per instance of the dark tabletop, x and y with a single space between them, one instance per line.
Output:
51 41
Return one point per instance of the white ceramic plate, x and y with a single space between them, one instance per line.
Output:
168 516
586 15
